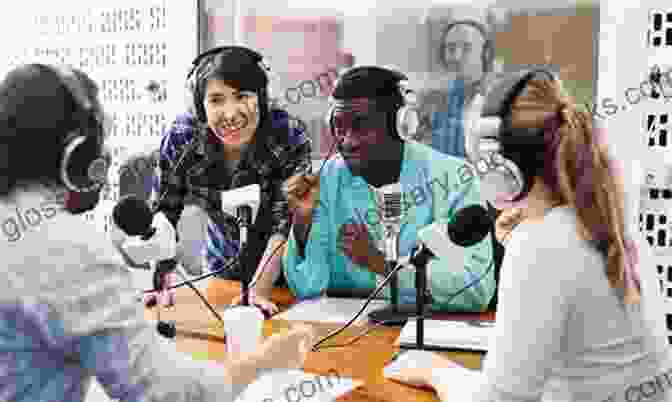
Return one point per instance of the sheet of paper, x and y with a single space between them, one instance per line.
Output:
450 334
294 385
331 310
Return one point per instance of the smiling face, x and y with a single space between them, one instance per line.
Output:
233 115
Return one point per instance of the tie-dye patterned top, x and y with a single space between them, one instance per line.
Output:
68 313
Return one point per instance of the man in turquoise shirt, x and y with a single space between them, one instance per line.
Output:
335 242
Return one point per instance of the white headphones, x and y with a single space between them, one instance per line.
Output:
502 179
407 117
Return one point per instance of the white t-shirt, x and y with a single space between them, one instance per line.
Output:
562 333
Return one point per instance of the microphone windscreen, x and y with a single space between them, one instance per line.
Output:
469 226
132 215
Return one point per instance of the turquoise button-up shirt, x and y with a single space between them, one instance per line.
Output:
429 181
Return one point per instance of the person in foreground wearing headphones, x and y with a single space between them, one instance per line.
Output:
235 140
574 321
336 235
68 309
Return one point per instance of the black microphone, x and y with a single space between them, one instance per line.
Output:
244 214
469 226
148 236
134 217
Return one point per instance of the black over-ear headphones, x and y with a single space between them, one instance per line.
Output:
84 164
509 158
488 53
405 118
199 66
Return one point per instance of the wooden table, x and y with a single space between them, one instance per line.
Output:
199 331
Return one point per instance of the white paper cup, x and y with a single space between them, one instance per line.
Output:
243 326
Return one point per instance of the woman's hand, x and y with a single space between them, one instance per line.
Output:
163 296
286 350
420 375
282 351
260 300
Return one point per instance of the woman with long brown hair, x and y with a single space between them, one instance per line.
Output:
572 320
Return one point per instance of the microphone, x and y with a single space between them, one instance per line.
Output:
389 201
447 240
243 203
148 236
469 226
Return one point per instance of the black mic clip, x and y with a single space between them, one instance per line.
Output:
167 329
420 256
244 215
148 235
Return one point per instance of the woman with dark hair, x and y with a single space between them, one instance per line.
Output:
231 138
68 309
574 320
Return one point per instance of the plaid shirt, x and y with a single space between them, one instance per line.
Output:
282 151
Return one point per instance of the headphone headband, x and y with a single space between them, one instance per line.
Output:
193 77
253 55
83 165
406 119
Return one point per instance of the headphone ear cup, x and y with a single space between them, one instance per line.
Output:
502 181
189 99
407 122
488 56
83 169
199 109
329 121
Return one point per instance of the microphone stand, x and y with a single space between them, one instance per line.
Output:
391 257
393 314
419 258
244 213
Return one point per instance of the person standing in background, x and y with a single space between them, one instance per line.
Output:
466 51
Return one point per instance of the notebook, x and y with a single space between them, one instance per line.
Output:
331 310
413 359
444 334
294 385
